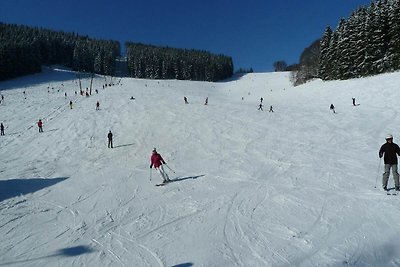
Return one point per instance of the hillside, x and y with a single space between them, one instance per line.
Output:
252 188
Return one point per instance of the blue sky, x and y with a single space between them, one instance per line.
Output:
255 33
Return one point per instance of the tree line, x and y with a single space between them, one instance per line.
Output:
154 62
23 50
367 43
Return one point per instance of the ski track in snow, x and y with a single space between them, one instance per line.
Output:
289 188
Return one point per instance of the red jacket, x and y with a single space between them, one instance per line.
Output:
40 123
156 160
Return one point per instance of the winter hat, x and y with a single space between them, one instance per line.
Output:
389 136
154 150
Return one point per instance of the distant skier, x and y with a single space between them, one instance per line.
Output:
354 101
270 109
110 139
186 100
206 102
260 107
65 95
390 150
1 129
261 99
98 105
40 125
332 107
157 161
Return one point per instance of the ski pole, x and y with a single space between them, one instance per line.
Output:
150 174
379 166
169 168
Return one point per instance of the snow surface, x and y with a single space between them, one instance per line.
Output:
252 188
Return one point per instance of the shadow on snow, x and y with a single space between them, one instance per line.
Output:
185 178
187 264
15 187
65 252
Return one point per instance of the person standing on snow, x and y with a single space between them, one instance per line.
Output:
1 129
98 105
260 107
206 102
390 149
185 99
270 109
157 161
354 101
40 125
332 107
110 135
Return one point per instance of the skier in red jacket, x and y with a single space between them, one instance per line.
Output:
157 161
40 125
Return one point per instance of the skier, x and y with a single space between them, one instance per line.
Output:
157 161
98 105
390 149
260 107
70 104
65 95
332 107
40 125
261 99
110 135
270 109
185 99
1 129
206 102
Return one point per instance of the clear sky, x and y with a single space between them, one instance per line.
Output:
255 33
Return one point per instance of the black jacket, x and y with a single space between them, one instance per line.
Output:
110 136
390 150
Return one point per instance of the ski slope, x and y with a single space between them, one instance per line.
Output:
252 188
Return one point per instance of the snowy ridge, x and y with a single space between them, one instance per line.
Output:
253 188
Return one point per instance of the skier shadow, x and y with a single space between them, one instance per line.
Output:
15 187
185 178
186 264
65 252
124 145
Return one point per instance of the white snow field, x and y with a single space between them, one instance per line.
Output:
252 188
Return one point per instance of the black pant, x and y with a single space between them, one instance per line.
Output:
40 130
110 143
2 132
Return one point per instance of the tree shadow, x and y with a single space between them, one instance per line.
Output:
65 252
185 178
47 76
186 264
124 145
15 187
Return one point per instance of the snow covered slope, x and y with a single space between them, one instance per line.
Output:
252 188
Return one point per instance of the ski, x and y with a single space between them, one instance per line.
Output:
162 184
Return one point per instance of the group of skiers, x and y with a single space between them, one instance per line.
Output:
185 99
260 106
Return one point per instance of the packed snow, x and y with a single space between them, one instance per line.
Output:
300 186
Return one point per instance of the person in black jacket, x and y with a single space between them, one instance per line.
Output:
390 149
110 135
